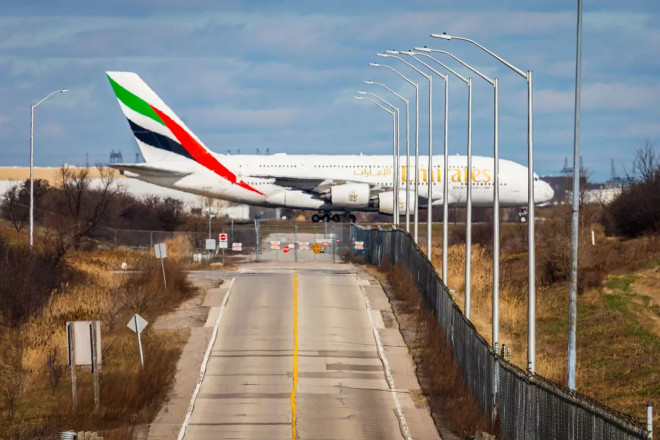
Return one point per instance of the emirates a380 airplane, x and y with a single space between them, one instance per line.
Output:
332 185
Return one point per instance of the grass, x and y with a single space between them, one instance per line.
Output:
34 376
618 327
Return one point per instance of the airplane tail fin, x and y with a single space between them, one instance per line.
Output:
158 131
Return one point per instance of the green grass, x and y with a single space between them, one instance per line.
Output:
622 283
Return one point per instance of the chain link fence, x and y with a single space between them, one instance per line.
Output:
527 407
276 241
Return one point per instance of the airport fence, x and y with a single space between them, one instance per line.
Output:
258 241
526 406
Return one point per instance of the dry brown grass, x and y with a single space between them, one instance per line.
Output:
35 380
618 308
452 403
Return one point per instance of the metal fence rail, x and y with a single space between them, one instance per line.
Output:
528 407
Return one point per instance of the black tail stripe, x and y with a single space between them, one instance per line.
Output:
157 140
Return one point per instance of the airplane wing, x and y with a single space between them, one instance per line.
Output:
316 185
144 169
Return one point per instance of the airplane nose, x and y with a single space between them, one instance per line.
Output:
544 192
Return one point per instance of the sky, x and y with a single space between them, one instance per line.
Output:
282 76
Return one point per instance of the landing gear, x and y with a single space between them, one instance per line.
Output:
337 218
522 215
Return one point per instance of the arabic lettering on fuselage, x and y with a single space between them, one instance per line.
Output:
458 175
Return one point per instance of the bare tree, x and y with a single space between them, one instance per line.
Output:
646 164
84 206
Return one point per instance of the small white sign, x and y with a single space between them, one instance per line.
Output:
223 245
137 323
274 244
82 341
161 250
238 247
210 244
359 245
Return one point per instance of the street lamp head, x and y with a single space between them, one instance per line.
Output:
423 49
64 90
392 52
442 36
362 92
358 97
382 55
375 64
408 52
369 82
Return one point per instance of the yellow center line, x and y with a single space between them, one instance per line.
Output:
295 355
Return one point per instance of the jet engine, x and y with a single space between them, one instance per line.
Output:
350 195
386 202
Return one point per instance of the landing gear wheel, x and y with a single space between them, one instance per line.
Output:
523 219
336 218
316 218
326 218
352 218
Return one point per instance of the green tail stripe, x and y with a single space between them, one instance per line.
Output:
133 102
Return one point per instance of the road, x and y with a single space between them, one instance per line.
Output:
308 351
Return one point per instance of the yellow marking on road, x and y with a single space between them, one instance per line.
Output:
295 355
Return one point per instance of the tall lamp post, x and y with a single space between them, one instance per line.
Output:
394 54
468 219
495 322
531 263
445 179
395 157
394 118
398 156
416 181
32 161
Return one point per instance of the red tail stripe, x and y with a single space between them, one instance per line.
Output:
199 153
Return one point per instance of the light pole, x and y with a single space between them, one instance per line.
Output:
394 117
32 161
394 54
495 321
468 177
445 172
395 157
531 263
416 181
398 154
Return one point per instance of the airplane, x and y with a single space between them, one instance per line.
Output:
333 185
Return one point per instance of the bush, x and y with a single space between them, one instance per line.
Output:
636 210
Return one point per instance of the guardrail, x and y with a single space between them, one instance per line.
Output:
527 406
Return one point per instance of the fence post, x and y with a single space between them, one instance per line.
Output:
295 242
256 234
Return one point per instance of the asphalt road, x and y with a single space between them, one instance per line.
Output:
308 351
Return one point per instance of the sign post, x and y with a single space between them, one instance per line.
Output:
137 324
84 348
222 244
161 253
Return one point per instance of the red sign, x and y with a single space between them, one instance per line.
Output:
285 248
223 237
325 244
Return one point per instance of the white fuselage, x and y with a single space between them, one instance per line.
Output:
263 171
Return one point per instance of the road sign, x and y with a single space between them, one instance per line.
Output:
274 244
161 250
316 248
359 245
137 323
325 243
210 244
304 245
286 248
222 237
238 247
222 241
